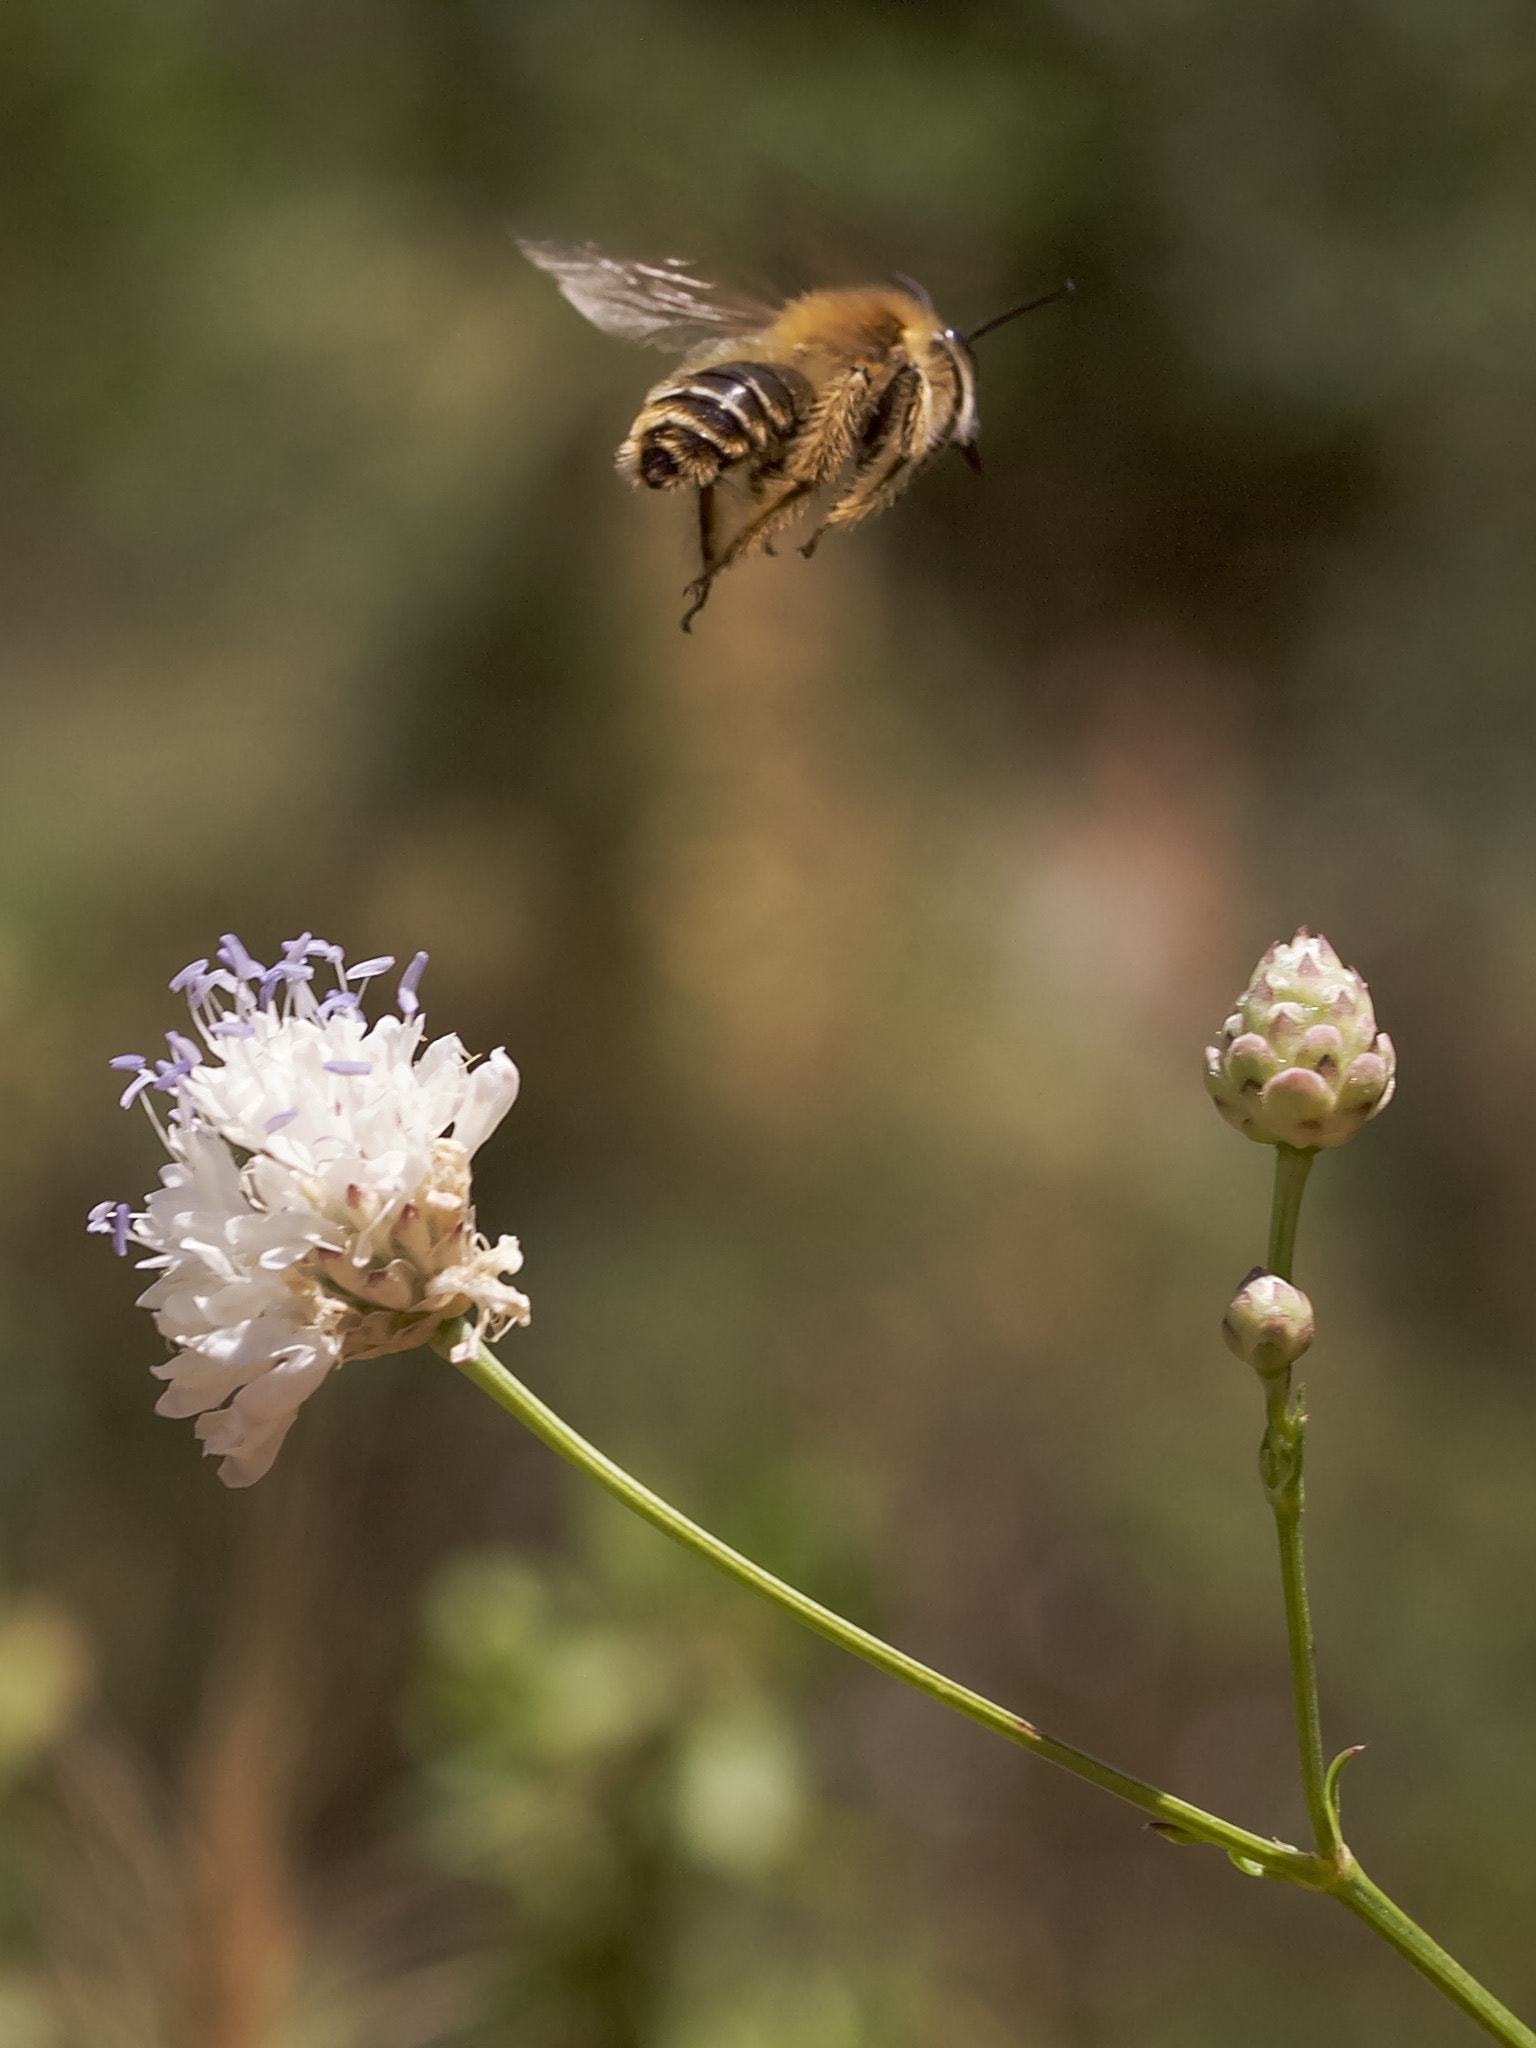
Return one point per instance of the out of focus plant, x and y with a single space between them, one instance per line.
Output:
617 1765
44 1667
588 1765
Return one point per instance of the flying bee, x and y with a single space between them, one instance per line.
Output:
849 392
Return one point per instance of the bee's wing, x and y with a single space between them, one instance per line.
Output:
656 304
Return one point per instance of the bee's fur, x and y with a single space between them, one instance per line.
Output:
849 390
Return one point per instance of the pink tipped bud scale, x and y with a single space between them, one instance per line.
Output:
1300 1061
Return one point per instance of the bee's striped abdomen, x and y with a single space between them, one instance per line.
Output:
692 430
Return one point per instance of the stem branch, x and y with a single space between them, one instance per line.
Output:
1274 1859
1337 1873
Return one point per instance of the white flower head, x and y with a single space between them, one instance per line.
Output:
316 1206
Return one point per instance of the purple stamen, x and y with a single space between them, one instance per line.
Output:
196 972
286 972
111 1219
348 1066
142 1080
409 983
365 970
128 1062
235 957
231 1027
183 1047
275 1123
340 1002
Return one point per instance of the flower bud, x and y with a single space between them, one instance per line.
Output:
1269 1323
1300 1060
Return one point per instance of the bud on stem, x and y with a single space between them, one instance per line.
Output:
1268 1324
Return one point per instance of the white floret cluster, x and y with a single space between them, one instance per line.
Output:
316 1206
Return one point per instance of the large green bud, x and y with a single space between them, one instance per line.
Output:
1300 1061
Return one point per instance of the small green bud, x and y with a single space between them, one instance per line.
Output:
1300 1060
1269 1323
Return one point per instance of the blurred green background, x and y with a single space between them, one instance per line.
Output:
858 953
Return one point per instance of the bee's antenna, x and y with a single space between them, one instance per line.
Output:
1062 291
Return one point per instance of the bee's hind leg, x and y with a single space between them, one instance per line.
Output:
706 528
698 591
753 535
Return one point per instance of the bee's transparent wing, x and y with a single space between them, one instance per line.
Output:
658 305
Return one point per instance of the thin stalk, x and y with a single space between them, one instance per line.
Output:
1285 1430
1272 1858
1291 1170
1280 1465
1369 1903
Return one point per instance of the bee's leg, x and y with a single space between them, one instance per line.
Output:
697 594
970 455
709 568
752 536
706 528
841 419
893 435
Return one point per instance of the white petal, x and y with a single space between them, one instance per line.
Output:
492 1091
248 1434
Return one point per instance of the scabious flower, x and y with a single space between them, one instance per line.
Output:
1300 1061
316 1207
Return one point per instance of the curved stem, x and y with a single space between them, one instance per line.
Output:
1183 1821
1338 1875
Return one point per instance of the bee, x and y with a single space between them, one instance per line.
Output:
851 393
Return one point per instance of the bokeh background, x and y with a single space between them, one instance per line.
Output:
858 952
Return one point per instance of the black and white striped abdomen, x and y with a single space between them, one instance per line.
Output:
692 430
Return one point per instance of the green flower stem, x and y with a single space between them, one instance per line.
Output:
1181 1821
1370 1904
1281 1459
1291 1170
1282 1453
1339 1876
1280 1466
